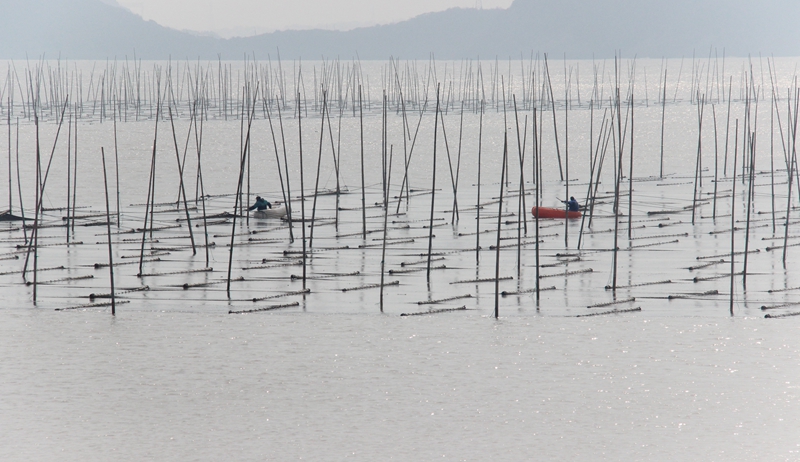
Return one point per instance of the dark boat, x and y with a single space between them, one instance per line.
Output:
8 216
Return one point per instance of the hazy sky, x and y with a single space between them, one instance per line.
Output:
246 17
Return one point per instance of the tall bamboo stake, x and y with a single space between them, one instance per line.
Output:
630 174
772 159
499 224
182 188
663 114
199 146
116 167
286 199
37 209
405 184
336 152
150 186
478 200
69 171
74 171
385 223
733 210
243 160
19 184
433 187
319 165
750 193
458 165
108 230
363 185
302 189
697 169
716 163
555 128
792 120
727 127
537 184
594 155
521 213
10 206
42 182
566 155
288 183
618 178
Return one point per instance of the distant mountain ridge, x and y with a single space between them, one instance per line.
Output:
96 29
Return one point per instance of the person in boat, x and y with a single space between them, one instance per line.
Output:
572 205
261 204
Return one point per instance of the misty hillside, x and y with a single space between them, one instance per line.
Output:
92 29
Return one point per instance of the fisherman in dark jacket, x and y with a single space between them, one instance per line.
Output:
573 205
261 204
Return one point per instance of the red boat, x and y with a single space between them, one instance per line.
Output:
550 212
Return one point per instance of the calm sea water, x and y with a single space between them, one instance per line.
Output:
164 386
174 377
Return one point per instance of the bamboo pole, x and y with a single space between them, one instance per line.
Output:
302 189
458 164
41 183
363 185
108 230
555 128
243 160
286 163
522 214
10 206
566 153
150 185
727 128
792 121
499 225
663 114
385 222
433 187
37 209
537 184
750 194
199 146
336 152
716 163
286 199
116 167
69 172
319 165
630 171
19 184
733 210
618 178
772 159
74 169
478 199
697 168
182 187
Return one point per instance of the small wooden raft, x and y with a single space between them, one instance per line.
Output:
630 310
93 305
266 308
468 281
616 302
526 291
441 300
443 310
782 315
371 286
287 294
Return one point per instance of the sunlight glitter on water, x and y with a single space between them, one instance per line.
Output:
288 386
